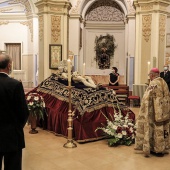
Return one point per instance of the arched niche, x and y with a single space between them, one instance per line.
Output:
102 18
85 5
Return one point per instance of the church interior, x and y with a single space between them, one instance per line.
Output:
89 37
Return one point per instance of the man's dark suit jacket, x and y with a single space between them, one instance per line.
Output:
13 114
166 77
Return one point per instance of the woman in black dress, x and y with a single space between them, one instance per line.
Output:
114 77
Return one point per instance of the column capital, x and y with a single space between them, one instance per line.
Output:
53 7
145 6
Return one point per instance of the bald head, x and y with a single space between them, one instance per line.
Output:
5 63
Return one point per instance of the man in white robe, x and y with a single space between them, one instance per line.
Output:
152 133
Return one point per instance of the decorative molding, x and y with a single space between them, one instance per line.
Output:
4 22
167 54
41 27
163 8
55 27
146 26
162 22
30 26
105 10
131 9
167 58
105 25
23 2
5 10
146 7
75 10
56 9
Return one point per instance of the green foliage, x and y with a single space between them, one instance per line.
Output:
116 141
107 42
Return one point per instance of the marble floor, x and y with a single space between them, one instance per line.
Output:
45 151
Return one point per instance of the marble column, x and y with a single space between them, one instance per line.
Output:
53 29
151 20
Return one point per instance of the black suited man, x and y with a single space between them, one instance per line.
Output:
166 75
13 116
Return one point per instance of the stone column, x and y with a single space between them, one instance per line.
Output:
53 29
75 36
151 19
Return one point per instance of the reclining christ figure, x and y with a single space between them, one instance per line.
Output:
86 80
77 78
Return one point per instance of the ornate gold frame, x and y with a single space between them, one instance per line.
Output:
55 55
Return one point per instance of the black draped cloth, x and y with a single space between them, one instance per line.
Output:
89 104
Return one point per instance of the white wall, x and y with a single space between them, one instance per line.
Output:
119 55
15 32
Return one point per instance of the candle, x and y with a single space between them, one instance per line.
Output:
149 66
83 69
69 72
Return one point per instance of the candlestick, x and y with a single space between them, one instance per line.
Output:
69 72
83 69
70 143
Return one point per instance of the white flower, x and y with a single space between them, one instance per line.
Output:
125 125
117 118
36 98
29 97
131 129
124 132
110 123
126 117
130 124
43 104
114 127
119 135
31 103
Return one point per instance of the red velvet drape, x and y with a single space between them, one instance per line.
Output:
84 126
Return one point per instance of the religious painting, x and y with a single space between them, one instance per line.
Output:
168 40
55 55
105 48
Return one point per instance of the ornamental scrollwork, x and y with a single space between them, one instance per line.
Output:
105 11
55 27
23 2
130 6
146 27
4 22
30 26
162 20
75 9
41 27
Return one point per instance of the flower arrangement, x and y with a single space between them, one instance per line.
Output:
120 130
36 104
